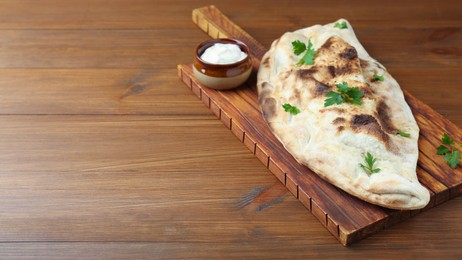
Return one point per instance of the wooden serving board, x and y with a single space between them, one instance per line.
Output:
346 217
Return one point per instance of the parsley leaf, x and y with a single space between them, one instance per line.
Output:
299 47
334 98
403 134
341 25
370 161
291 109
451 154
376 77
447 139
343 86
453 158
308 58
442 150
344 95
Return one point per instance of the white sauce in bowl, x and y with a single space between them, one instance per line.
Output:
221 53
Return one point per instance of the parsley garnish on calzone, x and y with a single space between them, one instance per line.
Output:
354 128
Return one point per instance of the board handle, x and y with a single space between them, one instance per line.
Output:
213 22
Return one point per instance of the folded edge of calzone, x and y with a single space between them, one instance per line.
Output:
333 141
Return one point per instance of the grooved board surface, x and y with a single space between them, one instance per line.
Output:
347 218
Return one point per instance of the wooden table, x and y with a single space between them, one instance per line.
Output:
106 154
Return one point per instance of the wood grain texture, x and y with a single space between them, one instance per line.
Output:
347 218
106 155
145 91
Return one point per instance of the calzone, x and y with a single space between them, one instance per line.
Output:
336 140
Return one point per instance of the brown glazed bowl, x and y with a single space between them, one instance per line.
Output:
222 76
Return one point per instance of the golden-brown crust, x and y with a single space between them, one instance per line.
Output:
269 108
266 61
368 124
306 73
383 114
321 89
339 121
341 57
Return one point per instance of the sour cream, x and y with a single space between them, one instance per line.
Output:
223 53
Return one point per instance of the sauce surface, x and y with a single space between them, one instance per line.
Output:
221 53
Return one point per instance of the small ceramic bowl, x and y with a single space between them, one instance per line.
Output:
222 76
